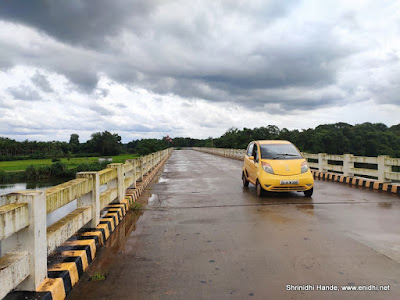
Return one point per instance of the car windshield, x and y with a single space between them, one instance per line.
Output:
279 151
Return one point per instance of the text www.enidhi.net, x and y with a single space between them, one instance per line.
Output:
370 287
332 287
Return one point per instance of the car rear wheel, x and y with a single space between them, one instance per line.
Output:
309 193
260 190
245 181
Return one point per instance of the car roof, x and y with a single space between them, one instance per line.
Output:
261 142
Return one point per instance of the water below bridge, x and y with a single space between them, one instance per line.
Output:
203 235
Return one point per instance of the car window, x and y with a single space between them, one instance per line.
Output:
279 151
250 150
255 153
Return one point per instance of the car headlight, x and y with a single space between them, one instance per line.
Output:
267 168
304 167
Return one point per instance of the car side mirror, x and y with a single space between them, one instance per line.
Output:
251 157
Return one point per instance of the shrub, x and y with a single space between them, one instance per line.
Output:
96 166
31 173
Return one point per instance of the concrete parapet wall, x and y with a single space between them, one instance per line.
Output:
358 181
62 230
231 153
23 219
62 194
14 267
107 175
381 167
13 218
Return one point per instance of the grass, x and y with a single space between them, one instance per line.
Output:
98 276
136 206
21 165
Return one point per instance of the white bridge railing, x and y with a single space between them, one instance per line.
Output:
232 153
25 238
379 168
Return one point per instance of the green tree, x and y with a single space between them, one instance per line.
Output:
74 143
105 143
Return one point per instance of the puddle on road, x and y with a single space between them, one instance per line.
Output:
306 208
385 204
209 221
154 200
273 216
163 179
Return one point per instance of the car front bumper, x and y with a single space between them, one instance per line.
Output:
273 183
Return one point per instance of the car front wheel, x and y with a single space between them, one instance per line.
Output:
245 181
260 190
309 192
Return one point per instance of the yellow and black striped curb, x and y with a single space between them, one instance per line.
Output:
358 181
74 256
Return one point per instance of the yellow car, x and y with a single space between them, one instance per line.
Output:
276 166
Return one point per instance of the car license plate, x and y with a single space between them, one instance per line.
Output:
285 182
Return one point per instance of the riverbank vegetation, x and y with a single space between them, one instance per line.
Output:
44 169
71 163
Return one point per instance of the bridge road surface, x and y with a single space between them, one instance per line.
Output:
205 236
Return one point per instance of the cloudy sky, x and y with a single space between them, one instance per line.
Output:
148 68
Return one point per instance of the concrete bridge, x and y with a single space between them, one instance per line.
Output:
204 236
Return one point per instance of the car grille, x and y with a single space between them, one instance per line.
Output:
288 188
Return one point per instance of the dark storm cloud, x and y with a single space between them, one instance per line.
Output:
231 51
78 22
24 93
42 82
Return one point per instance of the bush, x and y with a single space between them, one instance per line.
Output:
43 172
7 177
31 173
56 170
3 177
86 167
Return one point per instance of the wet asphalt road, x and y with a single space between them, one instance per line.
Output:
204 236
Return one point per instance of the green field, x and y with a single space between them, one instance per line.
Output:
21 165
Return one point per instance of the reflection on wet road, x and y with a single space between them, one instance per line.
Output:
203 236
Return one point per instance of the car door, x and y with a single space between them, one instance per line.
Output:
253 164
247 161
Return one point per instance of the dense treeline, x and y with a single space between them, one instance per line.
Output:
147 146
100 144
365 139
